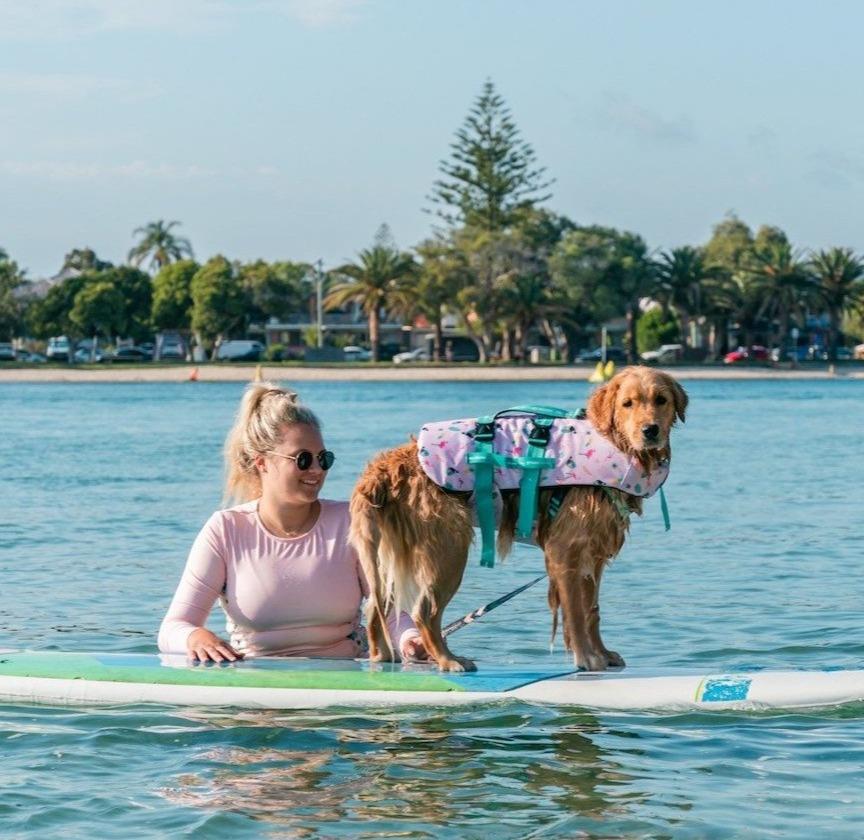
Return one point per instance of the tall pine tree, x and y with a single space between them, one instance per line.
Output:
491 177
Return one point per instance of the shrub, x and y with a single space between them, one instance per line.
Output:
657 327
276 353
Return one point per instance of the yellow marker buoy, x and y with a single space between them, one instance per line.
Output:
598 375
258 375
602 373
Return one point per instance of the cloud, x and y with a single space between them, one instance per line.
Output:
67 85
139 169
65 19
619 113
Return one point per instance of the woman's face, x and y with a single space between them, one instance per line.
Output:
282 481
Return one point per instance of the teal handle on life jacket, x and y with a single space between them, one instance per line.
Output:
539 410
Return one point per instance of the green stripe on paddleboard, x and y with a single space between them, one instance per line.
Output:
72 666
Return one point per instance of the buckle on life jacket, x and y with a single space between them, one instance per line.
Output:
539 434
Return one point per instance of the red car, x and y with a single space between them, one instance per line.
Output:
756 353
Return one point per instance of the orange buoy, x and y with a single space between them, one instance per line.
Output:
193 376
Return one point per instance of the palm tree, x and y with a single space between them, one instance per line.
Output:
160 245
783 284
378 281
839 274
682 274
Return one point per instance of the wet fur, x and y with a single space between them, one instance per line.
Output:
413 538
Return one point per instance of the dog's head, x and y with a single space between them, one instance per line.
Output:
636 410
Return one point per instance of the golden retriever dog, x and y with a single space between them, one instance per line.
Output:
413 537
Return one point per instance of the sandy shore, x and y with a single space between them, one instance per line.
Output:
362 373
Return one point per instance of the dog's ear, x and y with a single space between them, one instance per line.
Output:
601 407
679 395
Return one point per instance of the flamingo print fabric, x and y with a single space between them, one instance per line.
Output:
582 456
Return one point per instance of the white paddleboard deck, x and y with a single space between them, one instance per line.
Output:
272 683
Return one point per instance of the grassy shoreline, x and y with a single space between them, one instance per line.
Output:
364 372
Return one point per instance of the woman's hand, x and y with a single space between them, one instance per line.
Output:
414 650
205 646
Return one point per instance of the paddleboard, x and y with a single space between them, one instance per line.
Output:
56 678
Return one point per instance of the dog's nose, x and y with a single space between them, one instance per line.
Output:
651 431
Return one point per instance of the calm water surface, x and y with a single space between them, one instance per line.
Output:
105 486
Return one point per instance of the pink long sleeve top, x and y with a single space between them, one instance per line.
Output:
280 596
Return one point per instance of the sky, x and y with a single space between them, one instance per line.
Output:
291 129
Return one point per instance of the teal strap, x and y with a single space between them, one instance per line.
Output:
538 440
555 502
539 410
482 460
664 509
511 462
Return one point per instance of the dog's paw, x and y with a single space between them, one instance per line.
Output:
591 661
614 659
456 665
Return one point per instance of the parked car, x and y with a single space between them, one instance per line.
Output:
613 354
85 355
844 354
418 354
664 354
171 348
800 354
59 349
352 353
30 358
239 350
130 354
7 352
756 353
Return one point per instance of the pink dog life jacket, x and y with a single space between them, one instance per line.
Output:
582 456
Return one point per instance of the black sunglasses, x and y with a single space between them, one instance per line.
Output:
304 457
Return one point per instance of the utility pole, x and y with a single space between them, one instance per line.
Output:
319 285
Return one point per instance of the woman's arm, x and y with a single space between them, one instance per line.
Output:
202 582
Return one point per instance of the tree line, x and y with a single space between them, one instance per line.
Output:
507 266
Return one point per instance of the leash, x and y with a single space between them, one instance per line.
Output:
481 611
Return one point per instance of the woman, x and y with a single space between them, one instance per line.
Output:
280 562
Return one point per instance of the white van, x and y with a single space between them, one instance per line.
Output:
239 351
59 349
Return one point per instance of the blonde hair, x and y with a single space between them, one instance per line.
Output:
264 410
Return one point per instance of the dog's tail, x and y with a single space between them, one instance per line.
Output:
365 536
383 532
554 605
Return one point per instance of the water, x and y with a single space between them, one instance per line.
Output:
104 487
